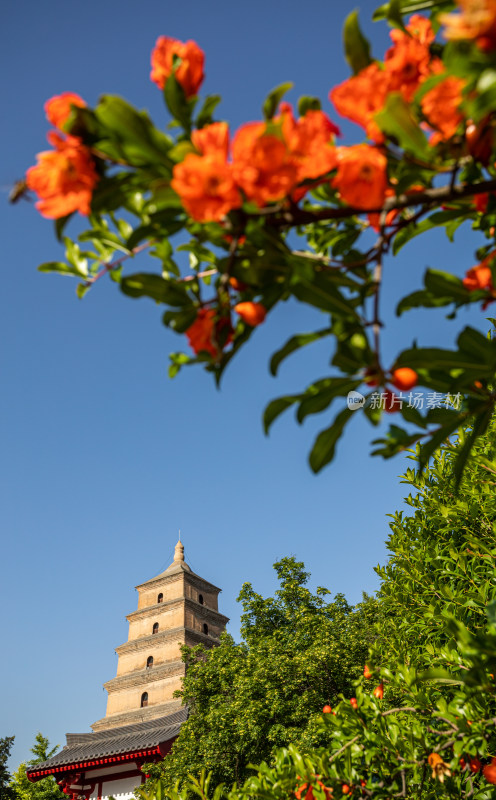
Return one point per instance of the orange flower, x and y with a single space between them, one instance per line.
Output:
310 140
354 703
361 97
58 108
367 673
212 139
263 166
189 73
204 333
251 313
206 187
64 178
408 61
361 177
379 691
480 277
441 107
476 21
439 768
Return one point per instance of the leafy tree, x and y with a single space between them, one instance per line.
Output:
298 652
45 789
428 110
6 791
420 722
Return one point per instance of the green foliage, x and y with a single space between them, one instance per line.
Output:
432 635
299 650
6 791
431 170
46 788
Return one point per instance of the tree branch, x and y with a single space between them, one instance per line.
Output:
439 194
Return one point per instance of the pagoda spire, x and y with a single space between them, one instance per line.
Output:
179 550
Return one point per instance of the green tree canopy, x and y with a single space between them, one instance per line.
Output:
423 722
45 789
6 792
299 651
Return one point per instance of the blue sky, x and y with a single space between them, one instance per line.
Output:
102 457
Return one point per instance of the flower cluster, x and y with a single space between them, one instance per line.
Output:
407 65
268 162
64 177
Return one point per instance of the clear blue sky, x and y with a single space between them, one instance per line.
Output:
102 457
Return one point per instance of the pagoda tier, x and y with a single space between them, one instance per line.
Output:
175 608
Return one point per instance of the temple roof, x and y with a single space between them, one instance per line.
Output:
84 747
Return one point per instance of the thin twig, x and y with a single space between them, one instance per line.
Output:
343 748
109 266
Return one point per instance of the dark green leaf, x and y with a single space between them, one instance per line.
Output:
397 120
274 98
325 444
205 114
177 102
356 46
276 407
158 288
321 394
308 104
320 291
293 344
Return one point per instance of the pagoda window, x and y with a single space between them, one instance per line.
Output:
200 599
155 627
149 662
160 598
144 699
205 628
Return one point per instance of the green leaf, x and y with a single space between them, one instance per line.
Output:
394 14
205 114
440 218
274 98
356 46
133 133
397 120
60 224
320 395
156 287
409 7
81 289
180 321
480 426
308 104
276 407
444 284
325 444
177 102
293 344
421 299
438 437
62 268
319 290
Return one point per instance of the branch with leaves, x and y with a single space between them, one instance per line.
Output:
219 213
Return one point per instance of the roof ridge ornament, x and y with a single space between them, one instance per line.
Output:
179 550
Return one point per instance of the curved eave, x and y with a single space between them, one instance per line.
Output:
160 750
